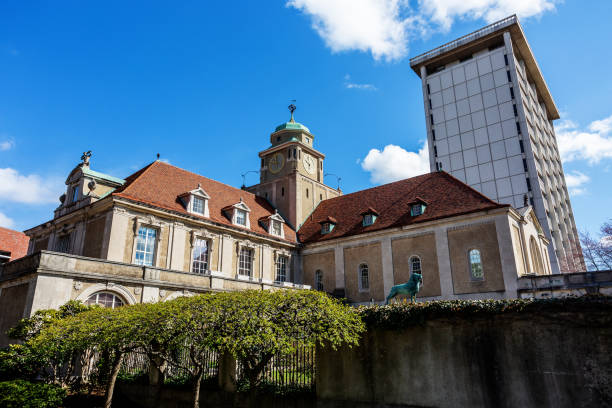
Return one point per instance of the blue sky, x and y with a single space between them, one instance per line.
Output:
204 84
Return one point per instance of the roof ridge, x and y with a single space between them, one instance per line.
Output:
208 178
382 185
138 174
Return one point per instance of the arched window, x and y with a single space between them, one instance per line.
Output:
105 299
318 280
476 271
536 258
364 278
415 264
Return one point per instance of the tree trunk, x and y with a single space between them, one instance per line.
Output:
196 388
110 387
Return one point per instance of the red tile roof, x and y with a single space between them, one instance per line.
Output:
14 242
160 184
445 197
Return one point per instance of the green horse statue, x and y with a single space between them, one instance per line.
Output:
410 288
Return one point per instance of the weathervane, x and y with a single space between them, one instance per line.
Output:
292 109
85 157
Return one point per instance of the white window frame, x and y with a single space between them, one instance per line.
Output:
411 265
155 246
276 220
241 217
363 266
241 267
416 213
368 219
471 263
97 296
195 208
192 267
326 228
190 198
241 206
281 268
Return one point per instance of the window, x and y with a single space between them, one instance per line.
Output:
476 272
63 244
241 217
364 278
417 209
435 151
318 280
197 205
306 193
145 246
105 299
276 228
508 74
75 194
536 258
281 268
415 264
326 228
5 256
368 219
245 264
199 259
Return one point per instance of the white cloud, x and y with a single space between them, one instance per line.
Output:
352 85
6 222
394 163
7 145
592 144
445 12
575 181
385 27
30 189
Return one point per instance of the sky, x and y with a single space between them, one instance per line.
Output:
205 83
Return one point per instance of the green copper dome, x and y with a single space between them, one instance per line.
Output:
292 126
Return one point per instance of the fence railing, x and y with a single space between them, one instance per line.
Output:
291 372
137 363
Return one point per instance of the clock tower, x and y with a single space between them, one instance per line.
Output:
291 173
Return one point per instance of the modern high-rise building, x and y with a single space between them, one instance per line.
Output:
489 116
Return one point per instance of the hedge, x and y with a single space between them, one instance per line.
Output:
26 394
401 315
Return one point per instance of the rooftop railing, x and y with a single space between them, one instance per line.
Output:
508 21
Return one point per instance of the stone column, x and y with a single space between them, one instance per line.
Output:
387 264
444 266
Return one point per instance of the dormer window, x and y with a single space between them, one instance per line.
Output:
197 205
369 216
241 217
328 225
274 224
196 201
238 214
417 207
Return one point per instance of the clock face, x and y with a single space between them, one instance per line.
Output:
276 163
310 163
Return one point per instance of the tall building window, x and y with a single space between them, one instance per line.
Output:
245 262
241 217
145 245
364 278
281 268
105 299
476 271
199 259
415 264
197 205
318 280
63 244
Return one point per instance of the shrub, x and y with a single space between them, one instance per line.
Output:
25 394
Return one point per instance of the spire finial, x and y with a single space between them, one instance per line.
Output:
292 109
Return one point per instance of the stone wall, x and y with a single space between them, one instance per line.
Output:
544 360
